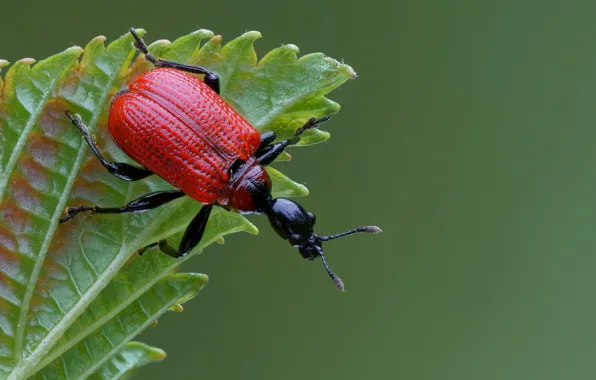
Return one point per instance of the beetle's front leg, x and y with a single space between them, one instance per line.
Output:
267 154
266 139
191 238
119 169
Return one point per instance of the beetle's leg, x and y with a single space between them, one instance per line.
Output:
144 203
192 236
142 46
119 169
266 139
266 155
211 79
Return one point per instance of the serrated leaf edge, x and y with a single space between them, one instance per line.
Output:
200 282
74 53
250 228
57 330
348 71
152 355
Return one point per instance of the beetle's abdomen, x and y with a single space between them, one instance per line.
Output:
176 126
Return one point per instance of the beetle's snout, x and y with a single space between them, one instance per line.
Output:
311 250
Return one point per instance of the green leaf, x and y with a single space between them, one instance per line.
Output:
127 360
64 288
132 356
89 355
285 187
137 277
284 91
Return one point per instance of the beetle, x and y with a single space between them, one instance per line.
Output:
178 127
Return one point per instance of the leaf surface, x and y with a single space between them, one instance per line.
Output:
65 288
127 360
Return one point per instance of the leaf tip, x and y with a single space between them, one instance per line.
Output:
26 61
292 47
301 190
74 50
251 229
334 107
315 136
342 67
198 278
191 282
202 33
178 308
252 35
201 278
140 31
157 47
156 354
162 42
3 63
351 71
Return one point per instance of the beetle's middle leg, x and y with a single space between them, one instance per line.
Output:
211 79
191 238
144 203
267 153
119 169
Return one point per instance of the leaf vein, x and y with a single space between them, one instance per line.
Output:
16 151
76 310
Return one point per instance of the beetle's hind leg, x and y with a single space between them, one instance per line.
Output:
144 203
268 153
119 169
211 79
191 238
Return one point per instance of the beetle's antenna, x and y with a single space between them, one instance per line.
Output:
142 46
365 229
336 280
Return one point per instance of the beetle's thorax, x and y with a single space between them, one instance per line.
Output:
249 188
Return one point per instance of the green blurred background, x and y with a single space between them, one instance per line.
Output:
468 137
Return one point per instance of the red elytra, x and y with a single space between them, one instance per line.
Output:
173 124
178 127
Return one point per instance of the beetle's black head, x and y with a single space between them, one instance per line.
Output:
295 224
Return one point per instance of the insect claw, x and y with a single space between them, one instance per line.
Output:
65 218
323 119
142 250
70 212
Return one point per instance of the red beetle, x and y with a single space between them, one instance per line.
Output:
178 127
